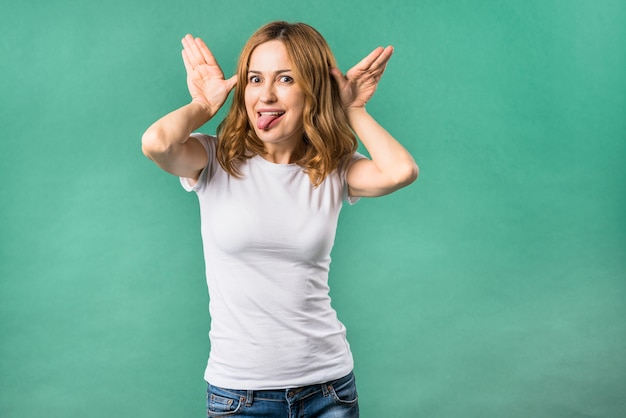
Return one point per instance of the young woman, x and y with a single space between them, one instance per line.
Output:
270 187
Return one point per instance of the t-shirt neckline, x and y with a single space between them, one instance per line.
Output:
276 166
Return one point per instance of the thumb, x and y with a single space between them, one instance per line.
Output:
337 75
230 83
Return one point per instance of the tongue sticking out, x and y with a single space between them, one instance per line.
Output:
267 121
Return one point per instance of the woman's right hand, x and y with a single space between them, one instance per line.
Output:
205 79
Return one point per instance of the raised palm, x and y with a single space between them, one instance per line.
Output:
205 79
359 84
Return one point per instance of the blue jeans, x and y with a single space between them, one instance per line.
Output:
335 399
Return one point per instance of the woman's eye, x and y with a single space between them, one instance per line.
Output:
254 79
286 79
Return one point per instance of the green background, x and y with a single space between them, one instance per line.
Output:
494 286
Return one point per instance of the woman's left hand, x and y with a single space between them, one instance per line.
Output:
359 84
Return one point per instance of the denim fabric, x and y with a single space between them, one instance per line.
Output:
335 399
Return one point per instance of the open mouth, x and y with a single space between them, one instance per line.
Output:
266 120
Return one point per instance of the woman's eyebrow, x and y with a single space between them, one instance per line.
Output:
275 72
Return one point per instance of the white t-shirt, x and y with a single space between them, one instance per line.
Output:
267 239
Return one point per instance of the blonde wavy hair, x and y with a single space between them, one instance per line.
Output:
327 135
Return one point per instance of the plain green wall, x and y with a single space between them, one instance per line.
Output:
495 286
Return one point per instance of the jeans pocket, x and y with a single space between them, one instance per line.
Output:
222 403
344 391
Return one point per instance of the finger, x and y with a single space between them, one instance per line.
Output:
338 76
187 41
383 58
367 62
206 52
230 83
372 66
188 65
376 60
193 52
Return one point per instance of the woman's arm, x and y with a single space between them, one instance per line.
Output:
391 166
167 142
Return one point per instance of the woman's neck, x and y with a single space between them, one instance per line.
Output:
284 155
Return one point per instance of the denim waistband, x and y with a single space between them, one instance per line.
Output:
285 394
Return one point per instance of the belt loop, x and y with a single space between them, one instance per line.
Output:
249 397
326 388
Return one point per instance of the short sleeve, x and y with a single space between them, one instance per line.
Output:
344 172
209 143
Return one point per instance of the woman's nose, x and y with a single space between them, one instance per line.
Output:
268 95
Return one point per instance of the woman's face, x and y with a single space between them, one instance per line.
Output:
274 100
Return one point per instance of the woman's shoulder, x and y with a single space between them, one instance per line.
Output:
209 142
347 160
205 138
